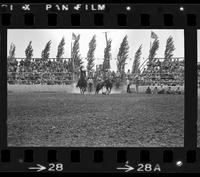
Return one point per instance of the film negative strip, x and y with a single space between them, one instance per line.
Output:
99 88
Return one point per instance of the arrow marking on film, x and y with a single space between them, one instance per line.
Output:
38 168
127 168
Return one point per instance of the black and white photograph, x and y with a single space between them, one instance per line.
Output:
96 87
198 87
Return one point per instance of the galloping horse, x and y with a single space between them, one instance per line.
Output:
82 83
99 86
107 83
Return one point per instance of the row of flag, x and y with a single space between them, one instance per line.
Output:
153 36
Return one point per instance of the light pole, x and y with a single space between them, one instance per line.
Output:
106 32
72 58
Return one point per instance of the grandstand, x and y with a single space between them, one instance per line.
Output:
163 72
198 72
52 72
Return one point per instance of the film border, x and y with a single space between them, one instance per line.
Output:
154 16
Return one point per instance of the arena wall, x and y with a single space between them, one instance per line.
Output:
73 89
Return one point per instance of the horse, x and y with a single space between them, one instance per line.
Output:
82 84
107 83
99 86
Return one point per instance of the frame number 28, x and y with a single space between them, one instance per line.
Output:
55 167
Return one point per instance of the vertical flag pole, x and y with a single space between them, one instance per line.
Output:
72 61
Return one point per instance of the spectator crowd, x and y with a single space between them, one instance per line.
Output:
158 72
198 72
37 72
168 72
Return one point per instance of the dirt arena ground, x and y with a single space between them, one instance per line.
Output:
72 120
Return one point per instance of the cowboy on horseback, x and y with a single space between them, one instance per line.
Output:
82 83
108 84
82 72
99 85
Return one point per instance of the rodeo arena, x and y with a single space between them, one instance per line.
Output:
52 105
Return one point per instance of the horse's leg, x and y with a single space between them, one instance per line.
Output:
97 89
110 89
106 90
90 88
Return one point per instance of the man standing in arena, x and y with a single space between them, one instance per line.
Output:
128 86
162 91
137 84
128 74
90 83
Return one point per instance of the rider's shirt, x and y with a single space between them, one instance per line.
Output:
90 81
117 74
128 81
83 74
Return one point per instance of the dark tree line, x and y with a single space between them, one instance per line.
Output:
76 61
122 56
136 61
90 55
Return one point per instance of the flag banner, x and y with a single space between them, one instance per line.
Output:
73 36
153 35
